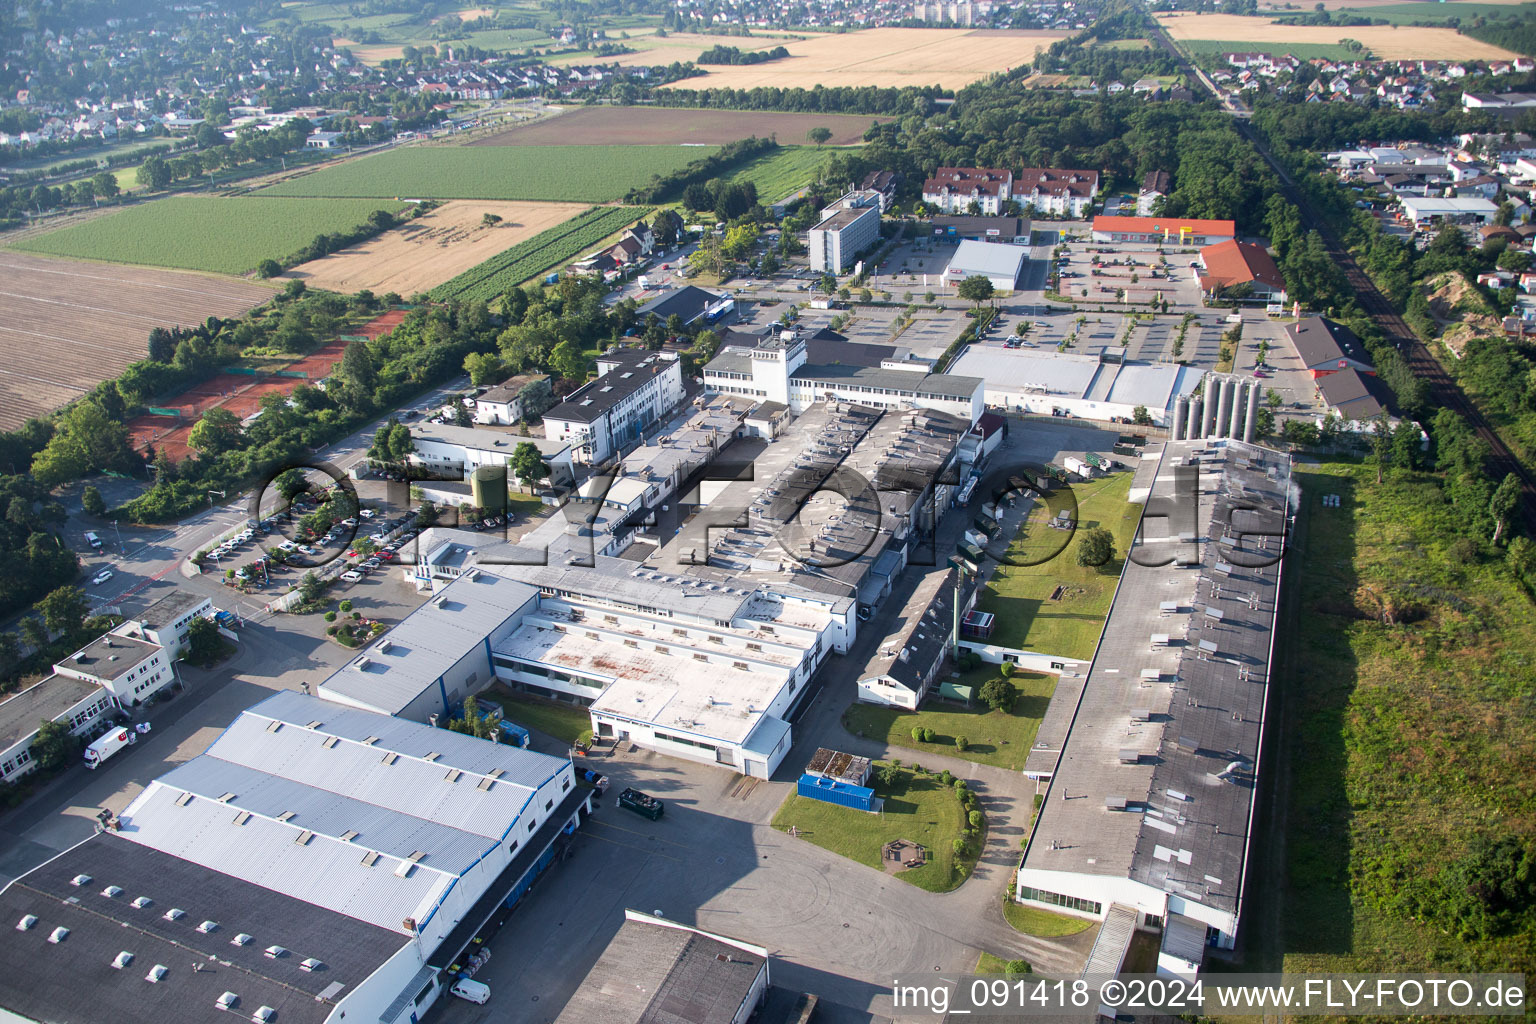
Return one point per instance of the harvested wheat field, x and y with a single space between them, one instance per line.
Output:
432 248
67 326
674 46
370 54
1386 42
659 126
886 57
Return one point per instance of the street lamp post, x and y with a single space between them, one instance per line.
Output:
222 494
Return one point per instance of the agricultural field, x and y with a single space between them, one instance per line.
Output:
67 326
1301 51
389 34
425 252
886 57
550 248
781 173
649 126
1408 13
551 173
226 236
677 46
1386 42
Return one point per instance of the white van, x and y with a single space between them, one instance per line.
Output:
93 540
473 991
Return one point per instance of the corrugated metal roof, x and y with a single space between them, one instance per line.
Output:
325 871
411 784
429 641
384 829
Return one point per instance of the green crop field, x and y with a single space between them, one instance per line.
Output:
553 173
1302 51
513 266
228 236
782 172
1409 13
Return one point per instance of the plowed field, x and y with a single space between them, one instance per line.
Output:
67 326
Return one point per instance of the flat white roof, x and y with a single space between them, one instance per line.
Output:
994 259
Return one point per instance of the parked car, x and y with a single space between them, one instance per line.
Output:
366 513
352 577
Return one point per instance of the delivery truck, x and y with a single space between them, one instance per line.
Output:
110 744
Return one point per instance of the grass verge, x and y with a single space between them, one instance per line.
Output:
564 722
1000 738
1045 601
919 808
1043 923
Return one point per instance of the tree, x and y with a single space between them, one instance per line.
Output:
998 694
217 432
962 744
34 634
739 242
819 135
1013 967
483 368
104 185
567 360
10 644
92 501
1506 498
489 220
1141 416
154 174
976 819
1405 445
295 289
828 283
310 588
461 416
162 345
535 397
53 745
63 610
474 722
204 644
1521 556
268 268
1096 548
527 464
889 775
976 289
358 373
1381 445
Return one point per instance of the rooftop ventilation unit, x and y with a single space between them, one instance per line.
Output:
174 914
384 646
330 741
226 798
208 927
122 960
263 1015
274 726
112 892
275 952
370 858
1130 756
227 1001
310 964
184 799
362 664
80 880
285 815
155 973
1115 803
59 935
349 835
314 725
303 838
390 758
241 940
26 923
140 902
242 817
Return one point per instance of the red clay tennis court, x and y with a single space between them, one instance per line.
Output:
241 394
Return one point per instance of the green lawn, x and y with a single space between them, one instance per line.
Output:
995 737
1020 595
988 963
567 173
1044 923
918 807
783 172
1303 51
228 236
564 722
1410 740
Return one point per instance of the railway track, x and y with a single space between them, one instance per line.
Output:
1444 392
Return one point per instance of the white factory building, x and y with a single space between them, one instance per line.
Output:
999 263
317 864
798 371
1153 758
633 390
847 228
1090 387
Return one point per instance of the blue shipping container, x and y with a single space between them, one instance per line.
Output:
831 791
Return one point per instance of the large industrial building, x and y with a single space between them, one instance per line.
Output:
800 371
1153 759
1093 387
316 864
999 263
634 388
